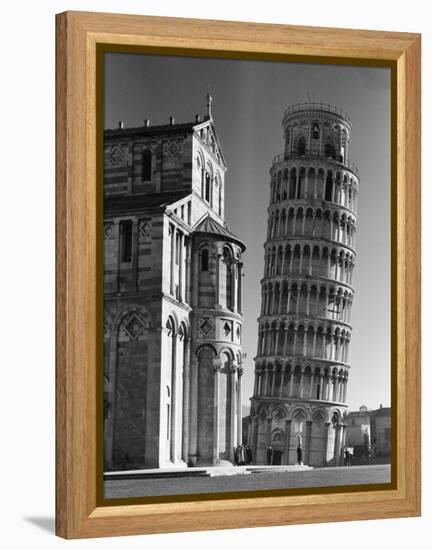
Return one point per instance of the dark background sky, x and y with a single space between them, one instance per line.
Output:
249 99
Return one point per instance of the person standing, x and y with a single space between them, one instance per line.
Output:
299 455
248 455
269 455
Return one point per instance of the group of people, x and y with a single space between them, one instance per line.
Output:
299 451
242 455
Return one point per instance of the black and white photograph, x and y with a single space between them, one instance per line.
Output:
247 275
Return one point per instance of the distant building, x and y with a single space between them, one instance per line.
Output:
172 299
358 428
381 431
370 429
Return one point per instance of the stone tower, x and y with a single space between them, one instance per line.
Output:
301 367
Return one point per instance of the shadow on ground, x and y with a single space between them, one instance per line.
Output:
46 524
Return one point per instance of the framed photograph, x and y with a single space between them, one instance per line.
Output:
238 275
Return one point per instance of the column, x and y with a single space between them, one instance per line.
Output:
173 450
188 271
273 381
254 437
336 445
336 392
285 345
266 377
321 379
172 259
180 266
193 411
287 440
317 300
186 400
302 382
195 279
288 300
314 343
239 406
325 441
308 441
234 283
290 391
233 405
240 288
295 340
217 297
268 431
283 372
341 387
281 293
217 367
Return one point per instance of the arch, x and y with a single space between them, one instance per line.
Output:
292 183
301 183
329 150
301 146
278 413
329 186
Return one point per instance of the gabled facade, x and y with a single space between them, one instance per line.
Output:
172 297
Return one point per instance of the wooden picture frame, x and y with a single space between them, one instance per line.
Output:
78 251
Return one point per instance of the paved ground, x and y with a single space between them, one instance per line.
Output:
317 477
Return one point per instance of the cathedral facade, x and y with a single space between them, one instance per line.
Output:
298 407
172 299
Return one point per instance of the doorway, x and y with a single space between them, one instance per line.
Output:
277 458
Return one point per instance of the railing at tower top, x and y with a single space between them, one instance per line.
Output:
317 107
314 156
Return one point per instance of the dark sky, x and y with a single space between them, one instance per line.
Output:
249 98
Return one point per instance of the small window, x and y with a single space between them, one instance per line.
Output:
177 249
207 187
205 260
146 165
126 241
182 211
301 147
189 212
329 151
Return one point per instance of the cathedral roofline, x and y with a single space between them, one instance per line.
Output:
142 201
149 130
207 224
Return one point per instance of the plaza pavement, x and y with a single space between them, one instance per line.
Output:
264 479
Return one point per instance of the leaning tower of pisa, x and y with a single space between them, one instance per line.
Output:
301 367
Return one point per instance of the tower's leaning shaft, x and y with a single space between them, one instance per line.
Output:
301 367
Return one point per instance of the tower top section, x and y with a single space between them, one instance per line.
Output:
317 129
311 109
